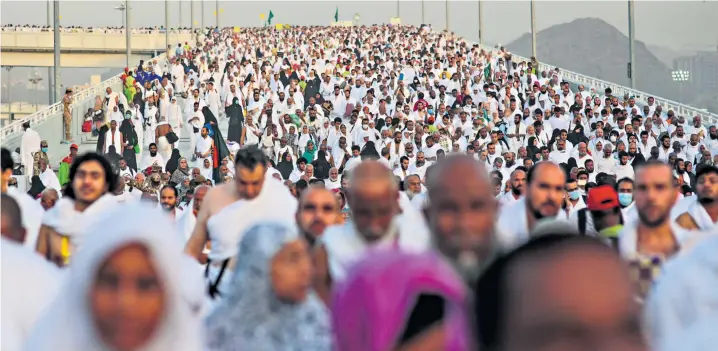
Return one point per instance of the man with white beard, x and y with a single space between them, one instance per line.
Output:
412 186
373 197
333 182
462 214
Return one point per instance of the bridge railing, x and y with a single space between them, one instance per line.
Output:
89 41
641 97
49 119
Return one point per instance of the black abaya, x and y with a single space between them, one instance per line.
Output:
236 119
130 137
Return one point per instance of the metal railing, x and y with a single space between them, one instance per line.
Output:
14 129
641 97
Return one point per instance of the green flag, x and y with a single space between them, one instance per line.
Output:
269 18
336 15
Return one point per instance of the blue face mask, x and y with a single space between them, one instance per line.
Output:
574 195
44 149
625 199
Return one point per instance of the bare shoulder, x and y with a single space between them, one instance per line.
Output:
220 196
686 221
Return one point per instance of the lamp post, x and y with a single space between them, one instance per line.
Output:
125 8
533 29
631 45
9 89
446 4
481 23
356 19
167 28
56 50
34 80
680 76
216 11
423 21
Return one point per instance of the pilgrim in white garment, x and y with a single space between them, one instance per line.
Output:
29 145
49 179
194 126
113 137
227 227
203 150
65 220
31 212
513 224
149 160
345 246
150 123
29 285
147 240
174 117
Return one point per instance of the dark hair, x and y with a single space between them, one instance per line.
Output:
152 144
491 290
6 160
168 186
531 173
356 147
250 157
11 212
110 177
701 170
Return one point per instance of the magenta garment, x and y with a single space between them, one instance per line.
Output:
370 308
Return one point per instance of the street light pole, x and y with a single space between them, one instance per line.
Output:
202 21
216 11
680 76
533 29
191 13
423 21
446 3
167 27
128 35
34 80
631 43
9 90
56 49
481 24
49 69
180 14
397 9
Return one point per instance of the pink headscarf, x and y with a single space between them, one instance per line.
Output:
370 309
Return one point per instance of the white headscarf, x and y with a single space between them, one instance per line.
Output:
69 326
251 317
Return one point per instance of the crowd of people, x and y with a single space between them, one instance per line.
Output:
80 29
375 188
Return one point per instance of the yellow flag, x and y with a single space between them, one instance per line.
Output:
279 26
261 16
214 13
236 29
196 23
286 26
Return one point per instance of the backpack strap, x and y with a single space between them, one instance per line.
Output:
582 221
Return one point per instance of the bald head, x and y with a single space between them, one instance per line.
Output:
462 213
374 173
11 219
199 193
373 199
50 197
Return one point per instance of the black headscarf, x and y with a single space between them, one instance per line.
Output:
285 167
321 165
220 146
173 162
37 187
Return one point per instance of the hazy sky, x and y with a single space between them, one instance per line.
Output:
684 26
678 25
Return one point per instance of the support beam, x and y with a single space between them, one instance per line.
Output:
56 51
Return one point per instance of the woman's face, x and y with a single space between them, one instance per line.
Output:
127 298
183 163
206 163
310 147
291 271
